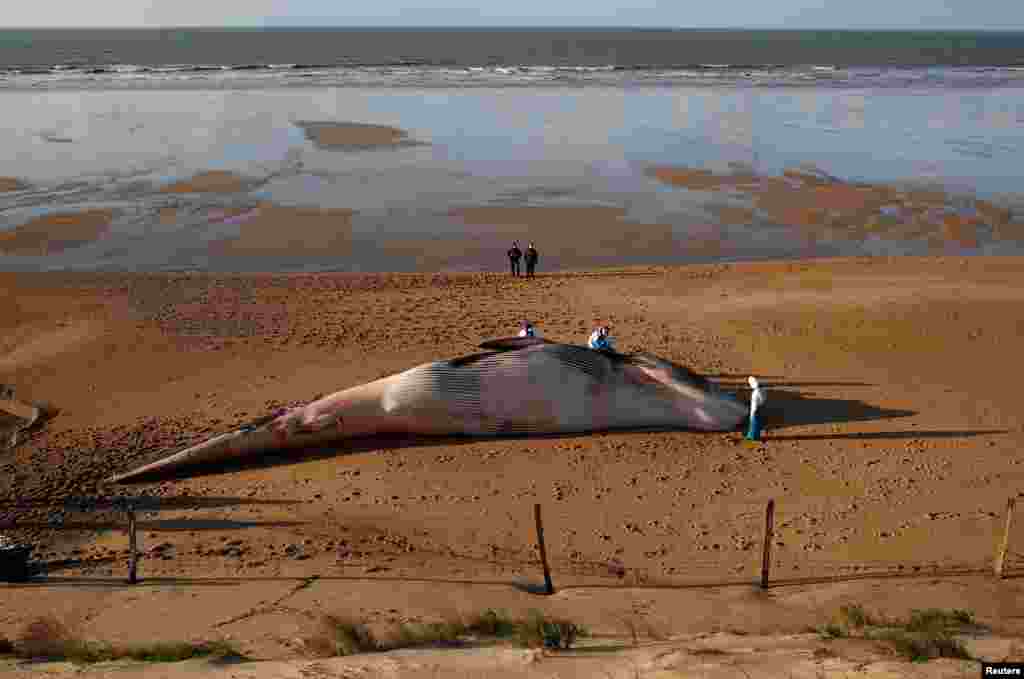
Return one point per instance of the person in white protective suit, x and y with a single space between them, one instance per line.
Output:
526 329
600 339
757 399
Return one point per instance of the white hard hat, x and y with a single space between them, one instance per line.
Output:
752 381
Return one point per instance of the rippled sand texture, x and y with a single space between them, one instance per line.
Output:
823 207
55 233
334 136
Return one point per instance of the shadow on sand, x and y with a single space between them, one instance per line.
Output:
521 584
167 525
149 503
890 435
786 408
732 380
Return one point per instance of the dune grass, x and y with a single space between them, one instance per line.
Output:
340 635
925 634
48 638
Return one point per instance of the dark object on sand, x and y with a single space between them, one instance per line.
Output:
14 566
18 417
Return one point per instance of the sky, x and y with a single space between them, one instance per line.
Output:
924 14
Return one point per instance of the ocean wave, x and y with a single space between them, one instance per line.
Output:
408 71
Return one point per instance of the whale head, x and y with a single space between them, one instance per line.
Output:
701 403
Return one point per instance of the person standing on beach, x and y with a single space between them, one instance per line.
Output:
531 261
757 399
513 257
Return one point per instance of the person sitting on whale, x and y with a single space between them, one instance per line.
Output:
600 339
526 329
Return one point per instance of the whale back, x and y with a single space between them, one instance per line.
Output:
544 387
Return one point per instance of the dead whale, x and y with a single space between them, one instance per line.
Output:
521 386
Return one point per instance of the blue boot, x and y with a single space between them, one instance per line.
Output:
754 431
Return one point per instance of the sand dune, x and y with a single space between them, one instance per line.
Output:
798 656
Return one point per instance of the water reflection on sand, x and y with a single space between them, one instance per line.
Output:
400 164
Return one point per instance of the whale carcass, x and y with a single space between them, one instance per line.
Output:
521 386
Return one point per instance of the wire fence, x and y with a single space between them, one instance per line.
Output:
756 557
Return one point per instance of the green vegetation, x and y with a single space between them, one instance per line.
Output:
854 616
538 631
832 631
929 633
49 639
923 646
339 635
491 623
636 628
926 634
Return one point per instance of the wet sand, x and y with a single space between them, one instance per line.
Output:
11 184
218 221
274 230
52 234
892 435
567 237
338 136
213 181
822 206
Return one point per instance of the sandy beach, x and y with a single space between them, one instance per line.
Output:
177 263
892 432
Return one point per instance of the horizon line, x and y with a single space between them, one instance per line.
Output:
319 27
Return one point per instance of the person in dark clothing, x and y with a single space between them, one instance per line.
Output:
531 261
513 257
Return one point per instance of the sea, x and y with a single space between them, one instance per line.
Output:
389 57
503 117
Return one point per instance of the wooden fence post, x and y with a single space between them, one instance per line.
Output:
548 586
1005 545
133 552
769 529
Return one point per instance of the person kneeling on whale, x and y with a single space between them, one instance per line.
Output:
526 329
601 340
